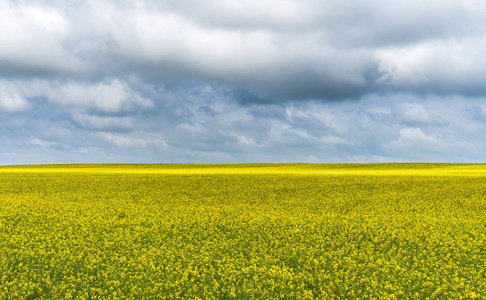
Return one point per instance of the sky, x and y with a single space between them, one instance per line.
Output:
228 81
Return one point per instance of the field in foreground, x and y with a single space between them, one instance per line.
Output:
384 231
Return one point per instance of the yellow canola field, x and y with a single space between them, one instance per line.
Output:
251 231
396 169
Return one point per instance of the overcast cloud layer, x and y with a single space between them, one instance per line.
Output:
242 81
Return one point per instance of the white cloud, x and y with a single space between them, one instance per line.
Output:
114 96
243 14
41 143
294 49
333 140
173 41
243 140
11 101
102 122
32 39
415 112
414 138
442 65
312 159
124 140
48 145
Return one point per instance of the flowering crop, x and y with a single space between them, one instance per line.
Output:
265 231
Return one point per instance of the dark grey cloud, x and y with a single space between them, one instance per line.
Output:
303 49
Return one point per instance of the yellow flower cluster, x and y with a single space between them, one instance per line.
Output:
386 231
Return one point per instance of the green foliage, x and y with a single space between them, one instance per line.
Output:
388 231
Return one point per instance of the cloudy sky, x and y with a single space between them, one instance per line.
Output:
231 81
